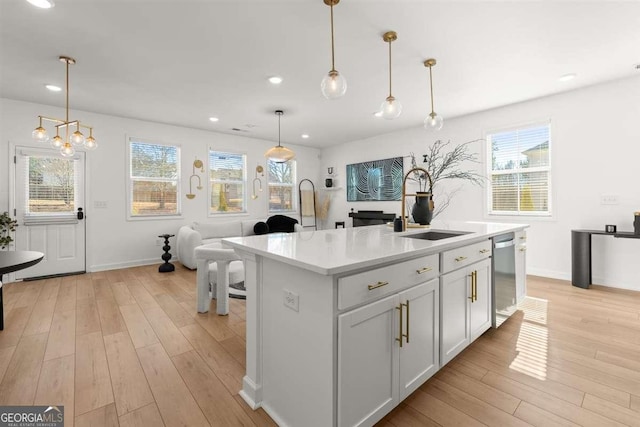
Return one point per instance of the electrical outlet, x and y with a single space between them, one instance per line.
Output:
608 199
291 299
159 242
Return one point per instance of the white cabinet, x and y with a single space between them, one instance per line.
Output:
521 261
465 306
386 350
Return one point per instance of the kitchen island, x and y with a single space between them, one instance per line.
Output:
343 324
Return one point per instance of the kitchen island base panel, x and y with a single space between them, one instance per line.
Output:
296 357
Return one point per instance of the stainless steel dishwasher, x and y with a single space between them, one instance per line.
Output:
503 266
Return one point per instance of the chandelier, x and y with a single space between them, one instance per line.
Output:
71 140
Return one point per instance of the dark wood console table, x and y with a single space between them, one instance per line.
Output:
11 261
581 254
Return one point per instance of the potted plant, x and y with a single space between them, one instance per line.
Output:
7 226
442 164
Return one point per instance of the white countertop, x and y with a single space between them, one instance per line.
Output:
341 250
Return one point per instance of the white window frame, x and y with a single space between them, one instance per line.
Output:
489 212
130 179
244 211
294 199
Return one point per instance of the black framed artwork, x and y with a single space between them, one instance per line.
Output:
377 180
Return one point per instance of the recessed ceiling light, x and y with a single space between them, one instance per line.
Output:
305 136
53 88
567 77
275 80
43 4
214 119
378 114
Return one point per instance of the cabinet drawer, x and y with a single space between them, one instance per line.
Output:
372 284
460 257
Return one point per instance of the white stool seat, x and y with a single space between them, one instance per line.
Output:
225 261
236 272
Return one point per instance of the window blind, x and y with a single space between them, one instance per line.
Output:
281 179
520 171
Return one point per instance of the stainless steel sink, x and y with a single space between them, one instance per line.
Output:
436 234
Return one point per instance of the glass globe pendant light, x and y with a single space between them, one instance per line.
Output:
391 107
433 120
279 154
333 85
40 133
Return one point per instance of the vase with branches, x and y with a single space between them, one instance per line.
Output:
444 164
7 226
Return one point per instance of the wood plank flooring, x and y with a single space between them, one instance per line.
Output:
126 347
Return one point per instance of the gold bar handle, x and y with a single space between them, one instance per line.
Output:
407 335
523 249
400 329
424 270
475 285
377 285
471 291
484 251
460 258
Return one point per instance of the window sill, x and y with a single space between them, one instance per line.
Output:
154 217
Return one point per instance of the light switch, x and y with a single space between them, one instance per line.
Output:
609 199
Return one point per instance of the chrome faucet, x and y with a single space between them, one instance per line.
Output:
404 192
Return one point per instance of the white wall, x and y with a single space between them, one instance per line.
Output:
595 151
112 241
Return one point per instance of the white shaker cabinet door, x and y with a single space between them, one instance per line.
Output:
367 362
455 288
521 262
419 354
480 305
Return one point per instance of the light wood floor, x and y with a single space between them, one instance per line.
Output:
126 347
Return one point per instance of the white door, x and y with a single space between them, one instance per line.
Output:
419 355
49 192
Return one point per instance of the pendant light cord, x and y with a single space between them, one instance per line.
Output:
390 68
431 87
67 118
279 116
333 60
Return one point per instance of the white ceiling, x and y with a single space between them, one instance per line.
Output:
182 61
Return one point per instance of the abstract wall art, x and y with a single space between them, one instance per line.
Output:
378 180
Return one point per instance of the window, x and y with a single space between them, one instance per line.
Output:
520 171
227 179
154 176
282 177
51 185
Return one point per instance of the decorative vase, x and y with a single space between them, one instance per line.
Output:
422 210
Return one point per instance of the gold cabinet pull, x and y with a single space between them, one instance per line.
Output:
407 334
377 285
424 270
460 258
484 251
475 285
523 249
471 291
523 237
400 328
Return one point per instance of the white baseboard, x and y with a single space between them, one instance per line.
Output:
560 275
120 265
602 281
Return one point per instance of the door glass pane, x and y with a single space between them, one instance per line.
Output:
51 186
